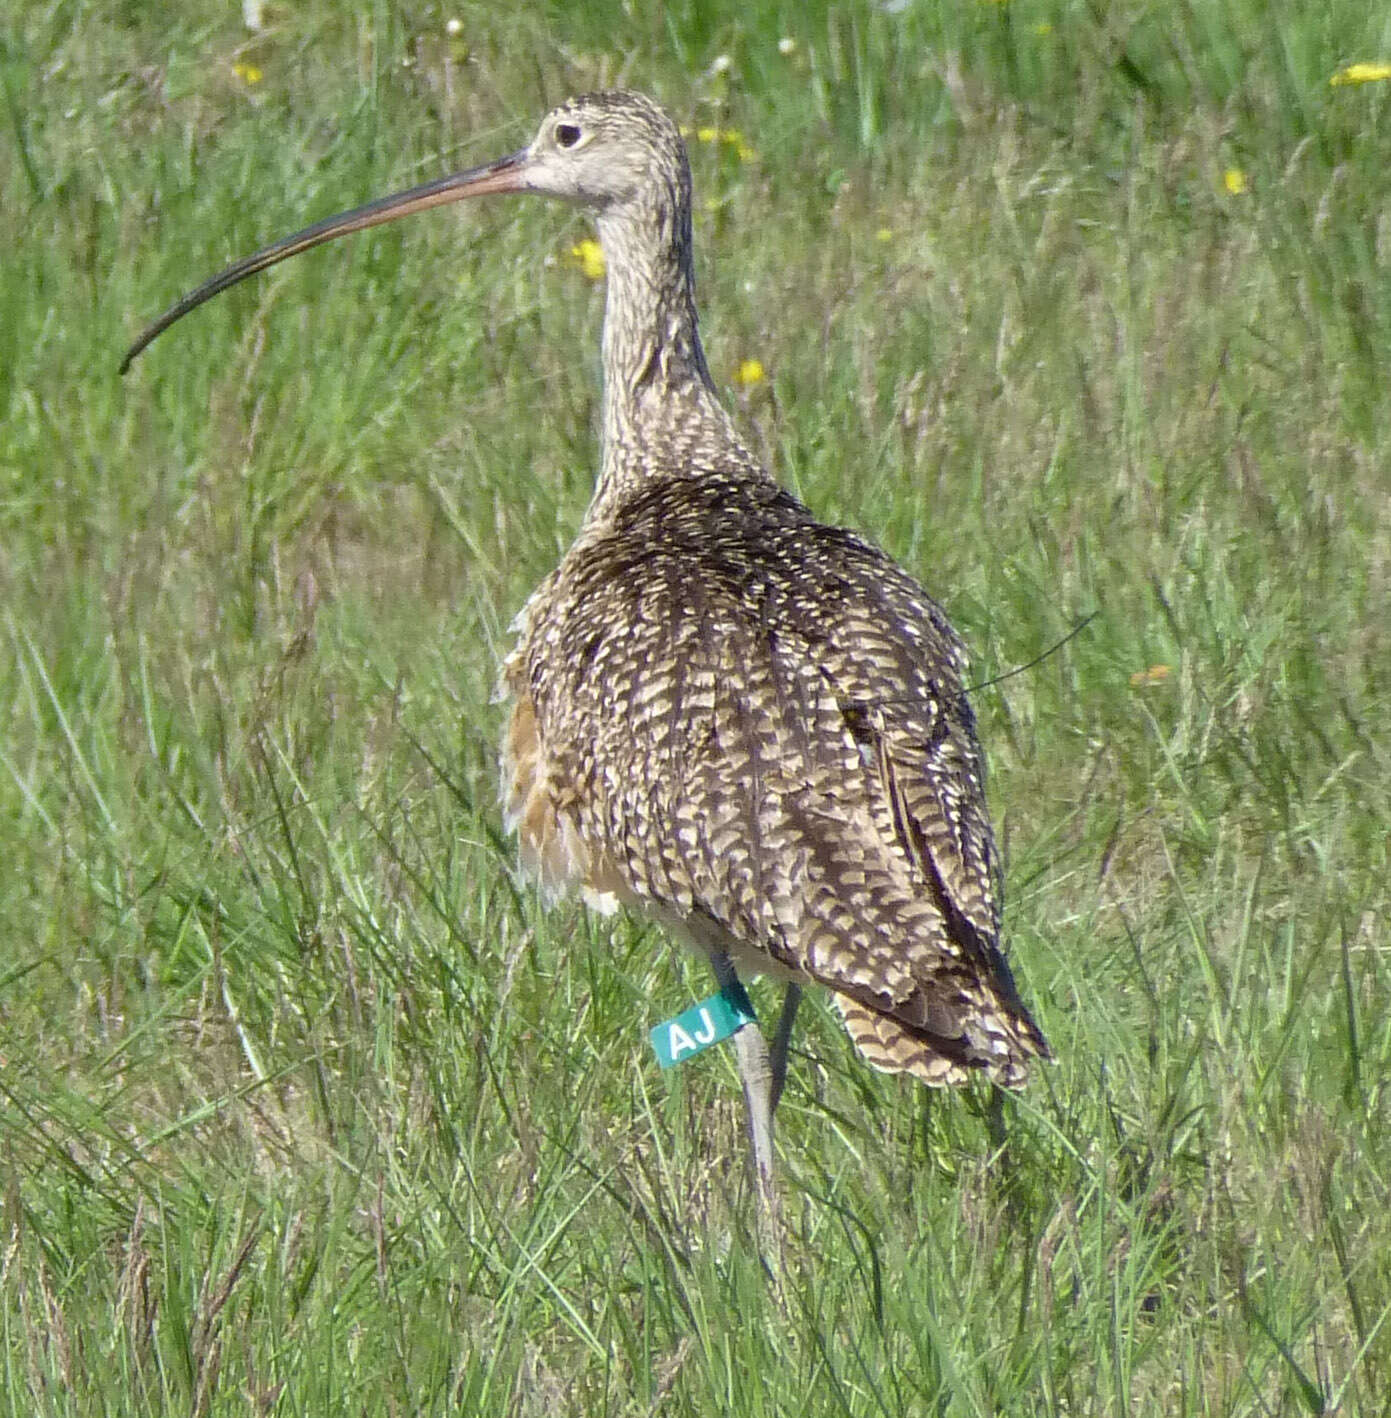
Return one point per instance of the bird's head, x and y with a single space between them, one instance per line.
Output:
612 152
604 150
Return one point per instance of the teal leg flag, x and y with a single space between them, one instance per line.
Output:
676 1040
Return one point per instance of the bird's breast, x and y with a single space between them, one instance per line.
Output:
541 804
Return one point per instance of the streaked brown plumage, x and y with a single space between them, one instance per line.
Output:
750 724
754 724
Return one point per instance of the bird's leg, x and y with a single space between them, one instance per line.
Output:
757 1074
754 1069
791 998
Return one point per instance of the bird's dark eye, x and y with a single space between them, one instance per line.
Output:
567 134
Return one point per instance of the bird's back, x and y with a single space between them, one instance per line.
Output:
755 726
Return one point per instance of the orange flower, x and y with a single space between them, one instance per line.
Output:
1156 674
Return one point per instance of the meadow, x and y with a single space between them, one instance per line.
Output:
307 1104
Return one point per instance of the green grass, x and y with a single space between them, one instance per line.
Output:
307 1105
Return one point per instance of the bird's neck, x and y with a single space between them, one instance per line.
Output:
661 413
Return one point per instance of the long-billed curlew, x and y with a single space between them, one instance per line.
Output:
749 724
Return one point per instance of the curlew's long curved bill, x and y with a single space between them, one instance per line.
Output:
505 175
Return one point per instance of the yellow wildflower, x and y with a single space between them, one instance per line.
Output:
1234 180
1361 74
1156 674
730 137
1043 30
247 73
750 372
885 233
588 255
